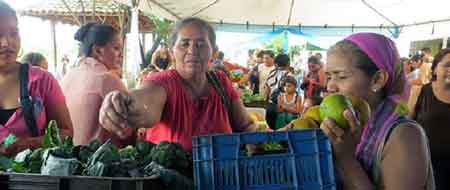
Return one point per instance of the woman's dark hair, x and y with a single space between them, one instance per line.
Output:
290 79
268 52
417 57
438 58
360 59
205 26
94 34
282 60
33 58
6 10
313 60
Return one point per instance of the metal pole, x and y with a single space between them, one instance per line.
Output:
54 47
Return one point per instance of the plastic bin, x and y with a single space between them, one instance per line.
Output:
220 162
16 181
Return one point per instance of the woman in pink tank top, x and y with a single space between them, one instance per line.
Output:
46 96
86 86
177 104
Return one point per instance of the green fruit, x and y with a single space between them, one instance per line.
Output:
333 106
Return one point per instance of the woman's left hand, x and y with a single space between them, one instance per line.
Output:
344 141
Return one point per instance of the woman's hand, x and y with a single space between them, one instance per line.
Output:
116 113
344 141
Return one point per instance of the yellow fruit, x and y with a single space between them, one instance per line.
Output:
333 106
262 126
304 123
256 116
362 109
313 113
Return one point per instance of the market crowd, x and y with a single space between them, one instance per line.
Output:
186 91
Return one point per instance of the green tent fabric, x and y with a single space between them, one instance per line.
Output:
311 47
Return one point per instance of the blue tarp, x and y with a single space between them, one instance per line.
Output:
320 36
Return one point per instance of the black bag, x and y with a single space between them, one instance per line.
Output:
26 101
217 84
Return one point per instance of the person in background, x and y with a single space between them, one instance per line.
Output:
406 65
432 110
62 67
390 151
310 102
264 70
46 100
427 55
35 59
150 69
274 86
251 59
161 59
289 103
86 86
253 76
314 83
319 56
415 77
218 58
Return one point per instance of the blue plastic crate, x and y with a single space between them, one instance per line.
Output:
221 164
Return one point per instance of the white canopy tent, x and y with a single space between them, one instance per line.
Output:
394 17
373 13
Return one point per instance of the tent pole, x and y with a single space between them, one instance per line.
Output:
444 42
204 8
164 8
378 12
290 12
54 47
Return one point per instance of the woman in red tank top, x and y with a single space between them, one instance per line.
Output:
181 103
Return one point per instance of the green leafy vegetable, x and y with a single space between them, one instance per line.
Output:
51 137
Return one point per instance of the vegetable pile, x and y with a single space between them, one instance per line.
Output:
96 159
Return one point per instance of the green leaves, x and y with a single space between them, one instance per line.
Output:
51 137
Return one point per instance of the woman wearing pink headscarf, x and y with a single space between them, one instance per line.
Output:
390 151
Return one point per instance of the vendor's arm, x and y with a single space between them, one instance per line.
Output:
241 121
138 109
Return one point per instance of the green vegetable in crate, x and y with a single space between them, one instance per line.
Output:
272 146
102 159
171 156
144 147
5 163
35 160
258 97
84 152
128 152
51 137
20 163
67 146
